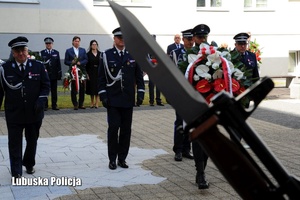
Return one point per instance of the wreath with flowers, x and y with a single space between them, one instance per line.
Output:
75 73
214 69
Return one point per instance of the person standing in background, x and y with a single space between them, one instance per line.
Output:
175 45
92 66
247 58
51 61
182 144
76 56
153 87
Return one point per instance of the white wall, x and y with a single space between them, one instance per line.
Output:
273 29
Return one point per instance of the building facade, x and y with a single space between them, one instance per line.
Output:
270 23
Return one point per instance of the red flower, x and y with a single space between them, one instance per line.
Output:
154 61
66 83
203 86
219 85
235 85
239 91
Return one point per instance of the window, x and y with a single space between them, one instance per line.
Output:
294 61
209 3
255 3
260 5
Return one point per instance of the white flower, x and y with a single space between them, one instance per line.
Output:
208 63
215 59
192 58
196 77
231 66
202 71
207 76
218 74
215 66
32 57
238 74
226 55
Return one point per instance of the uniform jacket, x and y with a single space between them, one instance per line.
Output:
249 59
52 65
70 55
172 47
128 78
20 103
177 55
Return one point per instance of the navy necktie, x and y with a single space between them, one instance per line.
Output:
121 55
22 68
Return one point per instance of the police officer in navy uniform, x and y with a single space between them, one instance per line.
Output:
52 63
25 84
119 78
247 58
200 34
182 145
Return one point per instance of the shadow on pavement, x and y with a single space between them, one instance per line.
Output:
275 117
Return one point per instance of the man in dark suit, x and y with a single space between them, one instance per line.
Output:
153 87
175 45
76 56
119 77
51 59
247 57
25 84
182 145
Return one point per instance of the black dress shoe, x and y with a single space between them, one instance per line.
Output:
75 107
160 104
122 164
187 155
30 170
178 157
112 165
55 108
81 107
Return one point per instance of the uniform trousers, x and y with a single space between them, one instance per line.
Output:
15 145
200 156
119 132
74 93
182 143
151 86
53 84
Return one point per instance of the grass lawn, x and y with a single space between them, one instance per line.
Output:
64 98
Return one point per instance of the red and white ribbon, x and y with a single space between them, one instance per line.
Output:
227 75
76 77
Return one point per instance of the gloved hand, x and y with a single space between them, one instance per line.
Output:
105 103
140 98
103 99
40 105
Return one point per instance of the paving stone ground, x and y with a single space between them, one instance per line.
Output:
73 143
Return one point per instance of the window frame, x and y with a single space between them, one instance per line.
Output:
253 8
209 8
